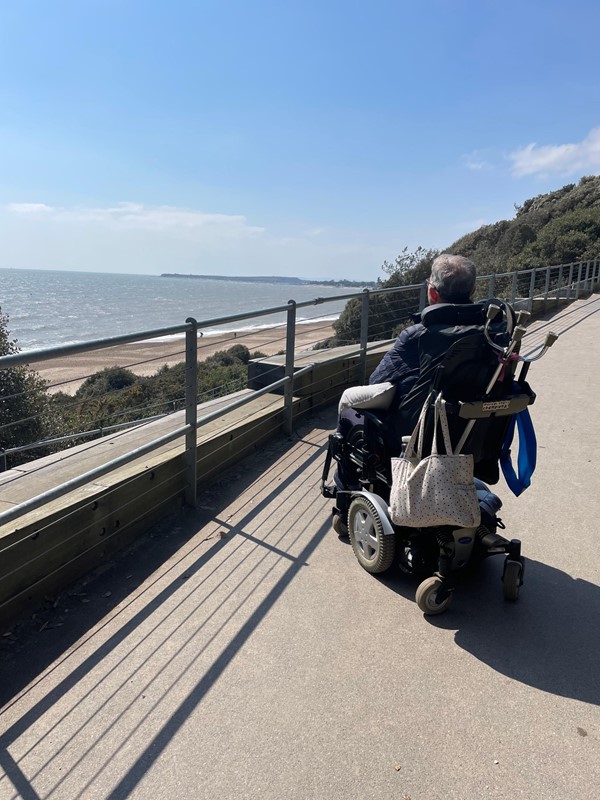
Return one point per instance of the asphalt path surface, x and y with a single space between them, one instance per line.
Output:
241 652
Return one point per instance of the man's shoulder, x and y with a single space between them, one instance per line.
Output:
409 333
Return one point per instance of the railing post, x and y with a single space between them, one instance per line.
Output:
559 284
364 335
513 291
492 286
546 287
570 280
587 284
288 389
423 296
531 292
578 286
191 412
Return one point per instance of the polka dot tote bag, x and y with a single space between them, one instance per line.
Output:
437 489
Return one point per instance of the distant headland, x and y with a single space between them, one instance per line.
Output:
271 279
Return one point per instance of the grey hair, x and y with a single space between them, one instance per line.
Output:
453 277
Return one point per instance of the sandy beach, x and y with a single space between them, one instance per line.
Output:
66 374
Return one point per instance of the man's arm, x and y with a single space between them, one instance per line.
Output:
400 365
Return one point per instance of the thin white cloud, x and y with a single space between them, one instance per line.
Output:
162 219
28 208
475 161
561 159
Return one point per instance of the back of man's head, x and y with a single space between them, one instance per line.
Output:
453 277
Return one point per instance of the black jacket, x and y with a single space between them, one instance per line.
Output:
400 365
428 353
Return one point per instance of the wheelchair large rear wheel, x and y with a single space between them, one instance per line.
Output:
373 549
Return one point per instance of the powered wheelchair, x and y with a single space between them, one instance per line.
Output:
469 354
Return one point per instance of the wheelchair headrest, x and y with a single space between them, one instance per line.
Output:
453 314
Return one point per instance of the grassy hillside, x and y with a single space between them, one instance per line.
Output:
554 228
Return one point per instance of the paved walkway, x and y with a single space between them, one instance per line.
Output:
241 652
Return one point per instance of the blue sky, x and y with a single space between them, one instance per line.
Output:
302 138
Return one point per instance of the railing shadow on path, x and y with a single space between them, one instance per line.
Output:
23 669
28 653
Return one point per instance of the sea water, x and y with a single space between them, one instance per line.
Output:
48 308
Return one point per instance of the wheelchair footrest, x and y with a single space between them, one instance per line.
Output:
494 542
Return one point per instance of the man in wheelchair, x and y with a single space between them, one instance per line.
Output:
466 354
452 281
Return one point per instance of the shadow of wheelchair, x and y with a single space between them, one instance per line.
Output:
549 639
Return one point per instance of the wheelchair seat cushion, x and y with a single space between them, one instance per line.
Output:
374 396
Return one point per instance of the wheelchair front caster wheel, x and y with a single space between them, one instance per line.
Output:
426 597
512 579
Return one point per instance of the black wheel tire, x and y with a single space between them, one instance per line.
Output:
374 550
426 597
511 580
339 526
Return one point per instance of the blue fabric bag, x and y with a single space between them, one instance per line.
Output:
527 453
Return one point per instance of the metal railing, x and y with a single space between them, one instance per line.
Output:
524 289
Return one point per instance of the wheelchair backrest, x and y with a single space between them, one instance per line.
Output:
456 359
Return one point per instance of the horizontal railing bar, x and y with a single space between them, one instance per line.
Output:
495 275
380 343
304 370
260 312
48 353
302 304
370 346
90 475
320 300
119 426
242 401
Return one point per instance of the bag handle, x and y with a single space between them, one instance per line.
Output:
417 436
442 418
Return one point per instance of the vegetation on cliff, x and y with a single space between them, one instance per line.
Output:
116 395
559 227
23 401
554 228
